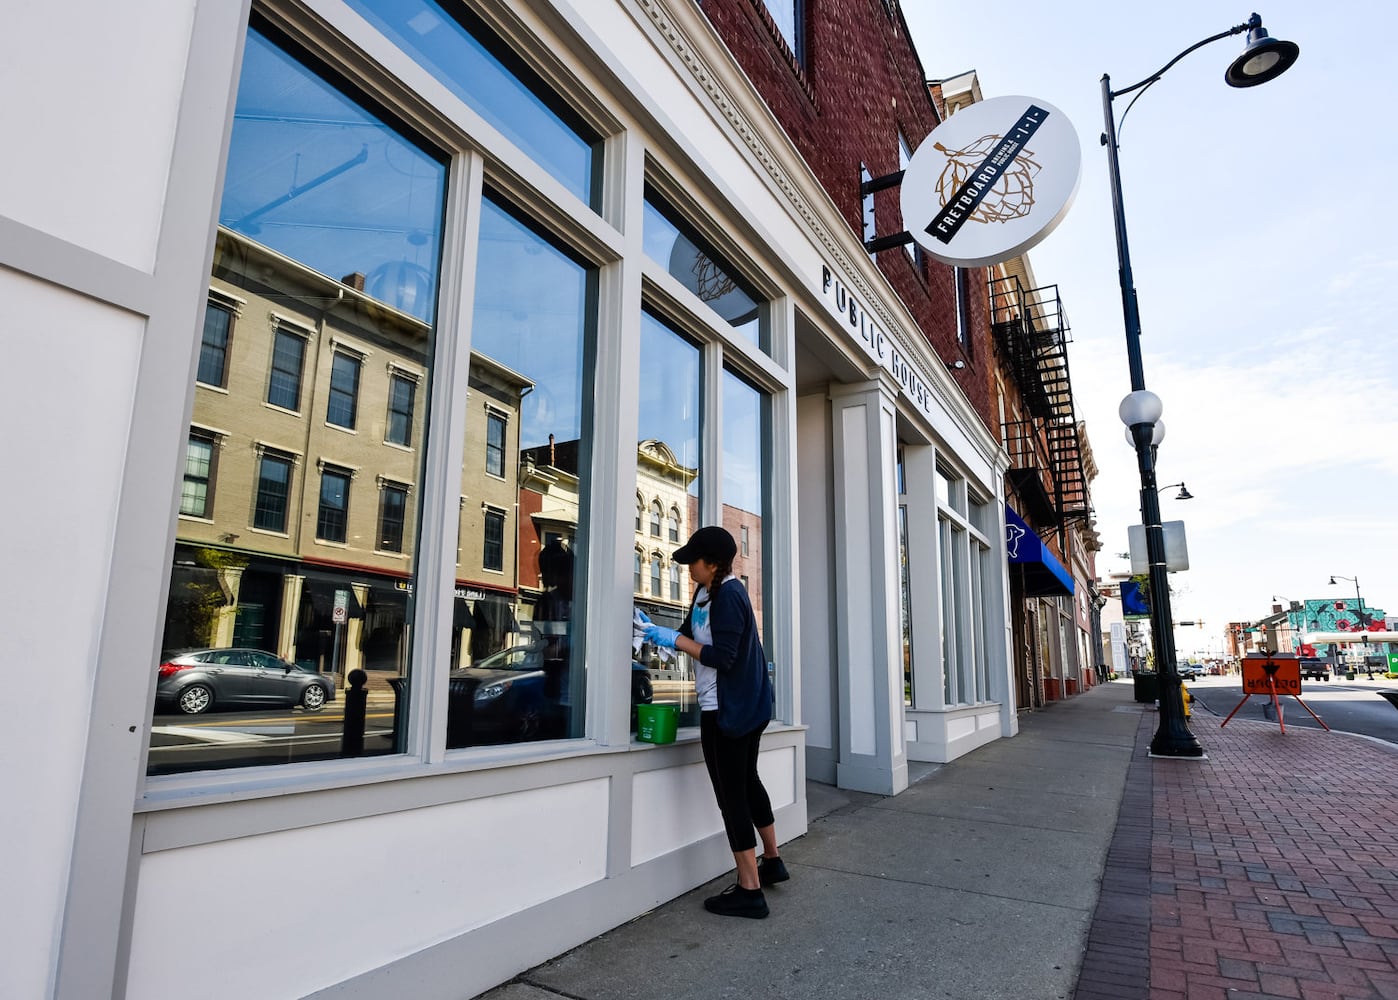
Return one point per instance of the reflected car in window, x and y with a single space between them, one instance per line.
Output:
515 695
498 699
204 679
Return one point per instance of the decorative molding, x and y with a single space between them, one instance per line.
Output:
384 482
227 300
322 464
339 343
296 326
215 434
398 368
260 448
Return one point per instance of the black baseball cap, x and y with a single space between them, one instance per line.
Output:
710 543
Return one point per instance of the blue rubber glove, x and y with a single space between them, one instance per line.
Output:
660 636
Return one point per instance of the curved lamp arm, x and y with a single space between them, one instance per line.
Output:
1238 29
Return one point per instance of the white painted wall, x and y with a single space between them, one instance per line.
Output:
89 162
813 467
284 914
65 403
675 807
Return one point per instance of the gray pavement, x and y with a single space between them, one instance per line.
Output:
977 883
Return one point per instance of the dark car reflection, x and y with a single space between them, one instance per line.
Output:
198 681
516 695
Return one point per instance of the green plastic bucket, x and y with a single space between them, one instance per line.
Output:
657 723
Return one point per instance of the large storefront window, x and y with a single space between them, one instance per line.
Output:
745 426
460 51
963 551
523 484
283 593
667 479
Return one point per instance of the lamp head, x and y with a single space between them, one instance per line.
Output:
1184 493
1140 407
1263 59
1332 581
1157 434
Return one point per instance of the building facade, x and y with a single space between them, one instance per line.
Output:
401 343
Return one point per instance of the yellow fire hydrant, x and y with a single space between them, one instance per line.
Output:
1187 698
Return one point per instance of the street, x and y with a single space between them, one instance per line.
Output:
243 738
1350 706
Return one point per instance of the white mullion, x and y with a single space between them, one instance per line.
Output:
947 580
964 618
781 575
615 395
711 435
441 514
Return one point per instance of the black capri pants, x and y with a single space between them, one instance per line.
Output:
732 764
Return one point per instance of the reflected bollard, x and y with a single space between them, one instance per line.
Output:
356 704
400 711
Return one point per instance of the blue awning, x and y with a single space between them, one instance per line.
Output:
1044 575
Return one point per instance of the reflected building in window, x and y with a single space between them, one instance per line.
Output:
298 496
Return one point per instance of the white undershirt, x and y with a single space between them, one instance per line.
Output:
705 678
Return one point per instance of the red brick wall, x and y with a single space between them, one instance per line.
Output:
530 503
859 83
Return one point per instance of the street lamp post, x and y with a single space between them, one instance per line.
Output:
1358 612
1263 59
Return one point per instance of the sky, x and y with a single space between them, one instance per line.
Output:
1260 224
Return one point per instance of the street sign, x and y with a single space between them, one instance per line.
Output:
341 612
1285 672
1271 675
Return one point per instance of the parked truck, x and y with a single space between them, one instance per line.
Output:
1315 669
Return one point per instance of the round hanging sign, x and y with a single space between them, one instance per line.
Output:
991 181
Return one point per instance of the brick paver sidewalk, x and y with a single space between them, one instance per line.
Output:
1273 871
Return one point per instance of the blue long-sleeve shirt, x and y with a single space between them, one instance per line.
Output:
744 689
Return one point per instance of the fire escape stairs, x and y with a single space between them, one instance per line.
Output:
1031 330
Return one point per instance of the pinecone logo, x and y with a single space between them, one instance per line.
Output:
1011 197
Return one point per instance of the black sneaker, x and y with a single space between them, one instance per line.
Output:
770 871
735 901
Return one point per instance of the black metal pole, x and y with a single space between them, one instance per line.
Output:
1172 736
1364 625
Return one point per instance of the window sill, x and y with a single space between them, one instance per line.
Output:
282 409
221 390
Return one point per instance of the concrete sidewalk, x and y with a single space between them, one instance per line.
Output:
979 882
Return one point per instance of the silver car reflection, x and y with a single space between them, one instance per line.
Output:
197 681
